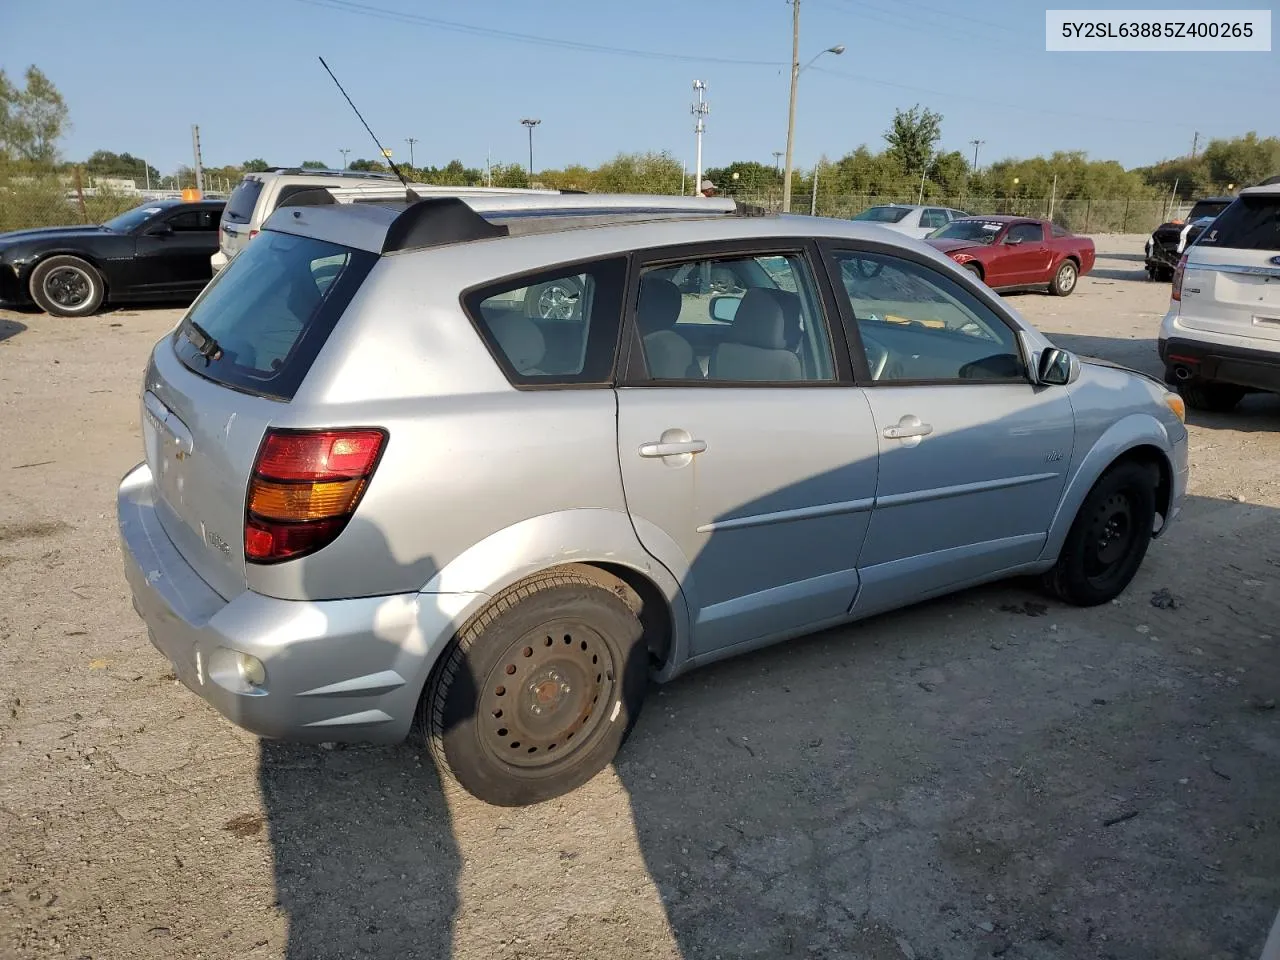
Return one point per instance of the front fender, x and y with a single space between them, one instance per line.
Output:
540 543
1128 433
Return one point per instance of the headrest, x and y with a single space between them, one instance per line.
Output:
760 321
520 339
659 306
790 303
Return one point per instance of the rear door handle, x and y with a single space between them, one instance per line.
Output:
657 448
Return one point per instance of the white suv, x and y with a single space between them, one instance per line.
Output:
1221 336
258 195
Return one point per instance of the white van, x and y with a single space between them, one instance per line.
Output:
1221 336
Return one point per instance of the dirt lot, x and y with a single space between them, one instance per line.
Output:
991 774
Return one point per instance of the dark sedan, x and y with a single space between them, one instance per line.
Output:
158 251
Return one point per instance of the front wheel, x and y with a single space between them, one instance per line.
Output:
1108 538
537 693
1211 397
67 286
1064 281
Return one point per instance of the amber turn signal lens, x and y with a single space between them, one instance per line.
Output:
303 501
1177 405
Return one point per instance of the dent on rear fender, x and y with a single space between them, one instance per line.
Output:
1134 430
552 540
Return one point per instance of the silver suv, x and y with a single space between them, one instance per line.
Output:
494 463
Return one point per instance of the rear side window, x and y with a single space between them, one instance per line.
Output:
557 327
883 214
1250 223
261 321
242 201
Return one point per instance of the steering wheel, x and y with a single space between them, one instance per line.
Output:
877 356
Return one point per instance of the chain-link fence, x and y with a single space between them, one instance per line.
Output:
1088 215
35 198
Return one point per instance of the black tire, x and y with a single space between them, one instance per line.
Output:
66 286
1108 538
1064 281
1211 397
570 647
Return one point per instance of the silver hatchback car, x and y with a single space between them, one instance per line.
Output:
495 463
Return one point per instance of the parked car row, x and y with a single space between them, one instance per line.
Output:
354 513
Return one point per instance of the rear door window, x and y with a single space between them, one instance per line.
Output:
261 321
1250 223
242 201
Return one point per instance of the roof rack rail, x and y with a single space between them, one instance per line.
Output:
354 174
437 221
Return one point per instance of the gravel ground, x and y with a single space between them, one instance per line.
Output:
991 774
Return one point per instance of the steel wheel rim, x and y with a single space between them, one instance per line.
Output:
548 696
68 286
1111 536
1066 277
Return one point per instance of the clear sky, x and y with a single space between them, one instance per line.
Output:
137 73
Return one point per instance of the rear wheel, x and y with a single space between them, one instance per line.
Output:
66 286
1108 538
1211 397
538 692
1064 281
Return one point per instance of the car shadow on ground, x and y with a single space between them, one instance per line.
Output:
1138 274
986 774
10 328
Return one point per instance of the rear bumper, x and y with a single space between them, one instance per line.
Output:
336 670
1220 363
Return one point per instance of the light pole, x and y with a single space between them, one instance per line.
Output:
344 153
411 141
796 70
976 145
530 124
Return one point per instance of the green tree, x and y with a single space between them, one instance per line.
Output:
1243 160
314 165
912 137
367 166
104 163
257 165
509 175
32 118
640 173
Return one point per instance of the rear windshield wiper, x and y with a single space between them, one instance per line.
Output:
205 345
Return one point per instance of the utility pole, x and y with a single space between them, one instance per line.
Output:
791 111
195 147
976 145
411 141
700 109
1053 195
530 124
344 151
146 174
813 197
1195 142
488 167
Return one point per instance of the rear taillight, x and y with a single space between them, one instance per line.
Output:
1177 277
306 484
252 234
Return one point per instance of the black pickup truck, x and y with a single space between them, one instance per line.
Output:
1169 240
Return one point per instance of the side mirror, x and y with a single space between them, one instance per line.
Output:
724 309
1012 241
1057 368
159 230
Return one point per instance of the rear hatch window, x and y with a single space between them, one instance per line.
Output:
242 201
1250 223
260 323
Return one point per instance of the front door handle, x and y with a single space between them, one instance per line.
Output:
910 429
658 448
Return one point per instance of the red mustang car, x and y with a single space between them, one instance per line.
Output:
1013 252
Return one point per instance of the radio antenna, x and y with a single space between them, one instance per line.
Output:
410 196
